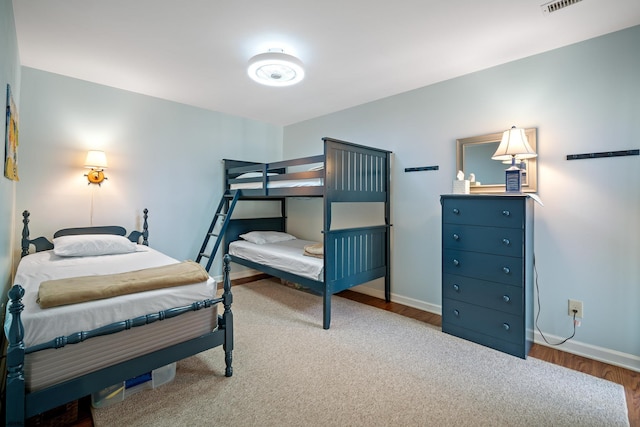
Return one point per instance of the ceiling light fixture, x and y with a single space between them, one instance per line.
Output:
275 68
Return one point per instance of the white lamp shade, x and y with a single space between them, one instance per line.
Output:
514 144
96 160
275 68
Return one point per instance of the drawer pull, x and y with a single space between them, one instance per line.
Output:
506 270
506 326
456 287
506 242
456 211
456 262
506 298
456 313
506 213
455 236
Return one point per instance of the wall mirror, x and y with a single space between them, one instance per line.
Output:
473 155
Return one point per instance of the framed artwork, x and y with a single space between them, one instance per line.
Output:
11 139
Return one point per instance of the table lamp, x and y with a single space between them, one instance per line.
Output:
514 146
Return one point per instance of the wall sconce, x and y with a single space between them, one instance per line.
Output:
97 162
514 145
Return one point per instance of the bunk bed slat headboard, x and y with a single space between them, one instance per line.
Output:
355 173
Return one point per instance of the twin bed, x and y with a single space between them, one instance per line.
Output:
345 173
127 310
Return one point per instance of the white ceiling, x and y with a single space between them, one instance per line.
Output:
355 51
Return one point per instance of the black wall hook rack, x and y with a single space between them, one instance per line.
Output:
422 168
603 154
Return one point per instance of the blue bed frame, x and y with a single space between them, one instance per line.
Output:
352 173
22 404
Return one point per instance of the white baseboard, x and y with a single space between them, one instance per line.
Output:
420 305
601 354
372 292
409 302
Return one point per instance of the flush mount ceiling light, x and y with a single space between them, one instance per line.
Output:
275 68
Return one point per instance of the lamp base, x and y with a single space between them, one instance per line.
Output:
96 176
513 180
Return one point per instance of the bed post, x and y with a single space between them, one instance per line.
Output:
326 306
227 299
15 392
135 235
25 233
145 228
329 173
387 220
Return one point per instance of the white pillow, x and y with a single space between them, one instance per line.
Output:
92 245
262 237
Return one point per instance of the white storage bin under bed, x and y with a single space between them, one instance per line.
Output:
118 392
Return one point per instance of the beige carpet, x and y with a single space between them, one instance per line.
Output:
372 368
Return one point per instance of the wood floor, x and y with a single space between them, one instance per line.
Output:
627 378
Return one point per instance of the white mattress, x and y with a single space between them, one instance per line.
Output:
291 183
287 256
41 325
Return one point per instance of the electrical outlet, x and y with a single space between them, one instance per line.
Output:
577 307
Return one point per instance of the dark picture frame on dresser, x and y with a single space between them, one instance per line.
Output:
487 270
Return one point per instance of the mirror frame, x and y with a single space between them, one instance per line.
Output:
532 167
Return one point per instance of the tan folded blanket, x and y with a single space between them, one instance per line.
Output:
315 250
53 293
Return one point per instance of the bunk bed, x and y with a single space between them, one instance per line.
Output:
63 346
345 172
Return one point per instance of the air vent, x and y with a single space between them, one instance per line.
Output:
555 6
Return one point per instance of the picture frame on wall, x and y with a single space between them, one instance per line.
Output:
11 139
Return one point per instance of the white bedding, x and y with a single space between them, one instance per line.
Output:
41 325
291 183
286 256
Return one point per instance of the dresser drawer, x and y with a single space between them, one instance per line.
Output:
492 240
495 268
498 211
520 349
493 323
497 296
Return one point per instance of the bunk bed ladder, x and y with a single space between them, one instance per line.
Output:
218 226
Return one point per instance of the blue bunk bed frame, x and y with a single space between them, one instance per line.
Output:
352 173
21 404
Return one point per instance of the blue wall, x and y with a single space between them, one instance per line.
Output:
9 74
582 98
162 155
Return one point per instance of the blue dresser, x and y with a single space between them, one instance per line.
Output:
487 270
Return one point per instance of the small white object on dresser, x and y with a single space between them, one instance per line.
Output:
461 187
